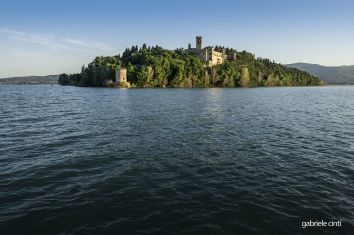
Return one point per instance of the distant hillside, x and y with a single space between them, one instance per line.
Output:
335 75
49 79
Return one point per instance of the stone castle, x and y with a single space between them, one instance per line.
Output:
209 55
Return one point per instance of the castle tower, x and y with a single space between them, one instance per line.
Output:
121 75
199 42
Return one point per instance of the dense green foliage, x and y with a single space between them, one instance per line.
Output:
156 67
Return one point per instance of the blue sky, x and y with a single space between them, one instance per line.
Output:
39 37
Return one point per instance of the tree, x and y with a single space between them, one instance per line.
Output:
64 79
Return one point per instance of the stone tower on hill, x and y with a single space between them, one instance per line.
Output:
209 55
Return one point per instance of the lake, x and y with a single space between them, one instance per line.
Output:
176 161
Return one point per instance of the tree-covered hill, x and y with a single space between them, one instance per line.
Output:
157 67
31 80
333 75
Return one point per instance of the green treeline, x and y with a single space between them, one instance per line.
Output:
157 67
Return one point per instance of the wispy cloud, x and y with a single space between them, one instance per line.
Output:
42 40
54 43
92 45
75 42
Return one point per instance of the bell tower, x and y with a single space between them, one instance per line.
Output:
199 42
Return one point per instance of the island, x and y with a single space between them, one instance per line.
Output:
211 66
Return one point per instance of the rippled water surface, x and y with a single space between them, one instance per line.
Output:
175 161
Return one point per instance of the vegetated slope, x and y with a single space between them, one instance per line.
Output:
336 75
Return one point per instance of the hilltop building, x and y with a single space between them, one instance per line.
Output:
209 55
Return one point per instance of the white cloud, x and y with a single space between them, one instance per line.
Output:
42 40
92 45
75 42
24 53
54 43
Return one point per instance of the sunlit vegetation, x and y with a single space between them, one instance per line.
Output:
157 67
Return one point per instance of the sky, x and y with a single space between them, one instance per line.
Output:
42 37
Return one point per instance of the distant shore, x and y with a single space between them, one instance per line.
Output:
30 80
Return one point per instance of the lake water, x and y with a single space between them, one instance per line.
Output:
176 161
